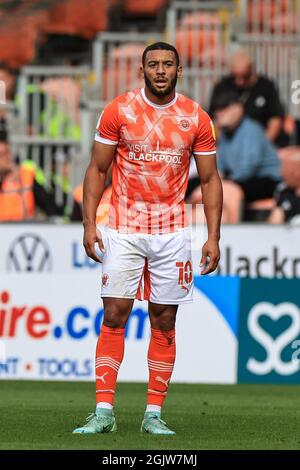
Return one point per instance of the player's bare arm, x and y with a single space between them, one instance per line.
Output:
93 187
212 196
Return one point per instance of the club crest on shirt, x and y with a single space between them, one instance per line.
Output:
105 279
184 124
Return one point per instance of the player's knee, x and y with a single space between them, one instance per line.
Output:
114 318
165 321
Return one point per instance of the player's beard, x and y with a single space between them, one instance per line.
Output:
157 92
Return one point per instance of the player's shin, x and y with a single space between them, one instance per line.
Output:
109 355
161 359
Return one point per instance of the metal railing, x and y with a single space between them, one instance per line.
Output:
116 62
201 33
277 17
90 114
47 92
276 58
47 122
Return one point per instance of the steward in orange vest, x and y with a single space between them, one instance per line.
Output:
22 188
16 188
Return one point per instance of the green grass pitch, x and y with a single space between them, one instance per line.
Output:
41 415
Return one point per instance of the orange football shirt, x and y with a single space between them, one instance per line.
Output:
154 144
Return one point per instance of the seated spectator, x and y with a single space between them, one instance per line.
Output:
287 193
291 132
247 160
103 207
7 94
8 77
23 189
257 93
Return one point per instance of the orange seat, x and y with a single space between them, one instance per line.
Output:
199 44
122 71
200 18
130 51
119 80
143 7
79 18
12 36
277 16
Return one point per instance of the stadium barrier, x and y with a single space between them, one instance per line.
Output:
277 17
90 113
277 58
201 33
116 62
47 122
62 161
243 326
48 100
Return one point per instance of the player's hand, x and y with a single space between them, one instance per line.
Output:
210 256
90 237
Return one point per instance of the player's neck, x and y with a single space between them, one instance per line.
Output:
159 100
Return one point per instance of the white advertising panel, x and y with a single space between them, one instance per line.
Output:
49 327
51 311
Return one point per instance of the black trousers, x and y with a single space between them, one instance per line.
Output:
258 188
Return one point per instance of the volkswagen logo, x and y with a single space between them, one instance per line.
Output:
29 253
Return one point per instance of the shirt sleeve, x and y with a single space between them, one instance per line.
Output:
205 141
107 130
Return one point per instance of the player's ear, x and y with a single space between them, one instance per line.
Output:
142 71
179 71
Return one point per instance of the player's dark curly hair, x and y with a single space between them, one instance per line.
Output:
163 46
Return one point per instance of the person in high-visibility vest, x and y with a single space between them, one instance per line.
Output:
53 120
23 189
16 189
103 206
102 210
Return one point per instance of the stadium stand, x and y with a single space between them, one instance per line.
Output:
78 18
147 7
108 37
275 16
149 14
122 71
199 38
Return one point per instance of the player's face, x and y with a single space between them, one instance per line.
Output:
161 72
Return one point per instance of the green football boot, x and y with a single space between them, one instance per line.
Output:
152 424
102 421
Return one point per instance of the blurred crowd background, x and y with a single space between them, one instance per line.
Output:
62 61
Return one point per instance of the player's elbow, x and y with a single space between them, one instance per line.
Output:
210 178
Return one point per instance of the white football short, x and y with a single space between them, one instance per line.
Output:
154 267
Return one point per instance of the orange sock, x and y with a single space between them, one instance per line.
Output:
161 358
109 355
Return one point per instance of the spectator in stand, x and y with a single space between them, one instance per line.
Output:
23 189
8 77
287 193
103 207
7 92
247 160
257 93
